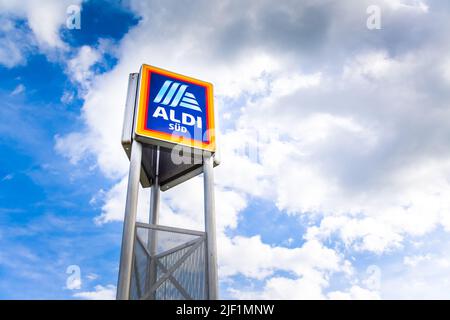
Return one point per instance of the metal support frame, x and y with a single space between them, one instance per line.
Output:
129 234
169 229
210 227
168 272
126 253
153 219
154 200
140 161
151 294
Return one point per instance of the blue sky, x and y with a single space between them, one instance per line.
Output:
46 215
333 138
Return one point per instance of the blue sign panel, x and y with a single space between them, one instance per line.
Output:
175 108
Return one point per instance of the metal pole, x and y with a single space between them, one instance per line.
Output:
153 219
154 200
210 227
126 253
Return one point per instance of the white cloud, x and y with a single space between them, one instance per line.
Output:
353 130
107 292
18 90
413 261
367 170
283 85
10 53
102 113
355 293
73 283
92 276
310 267
75 146
361 234
79 67
255 259
417 6
44 17
14 42
113 203
424 274
7 177
373 65
67 97
279 288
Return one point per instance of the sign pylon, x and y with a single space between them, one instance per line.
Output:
167 116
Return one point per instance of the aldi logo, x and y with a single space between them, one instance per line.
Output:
174 109
182 98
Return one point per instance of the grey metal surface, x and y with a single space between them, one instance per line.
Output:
153 219
175 264
169 229
127 128
172 173
128 120
154 200
180 259
210 227
128 236
148 161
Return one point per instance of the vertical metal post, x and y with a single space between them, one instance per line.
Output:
154 200
126 255
153 219
210 227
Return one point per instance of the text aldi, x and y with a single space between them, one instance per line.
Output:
174 109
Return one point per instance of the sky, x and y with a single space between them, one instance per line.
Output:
333 120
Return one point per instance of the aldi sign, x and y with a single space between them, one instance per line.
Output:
174 109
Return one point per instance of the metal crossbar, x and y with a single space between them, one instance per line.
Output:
171 270
178 248
174 281
163 268
169 229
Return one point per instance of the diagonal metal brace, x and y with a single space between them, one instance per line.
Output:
164 269
174 281
172 269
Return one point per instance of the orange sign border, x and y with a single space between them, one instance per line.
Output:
142 112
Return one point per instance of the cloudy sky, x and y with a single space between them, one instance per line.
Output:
334 138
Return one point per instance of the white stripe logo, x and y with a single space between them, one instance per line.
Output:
180 96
